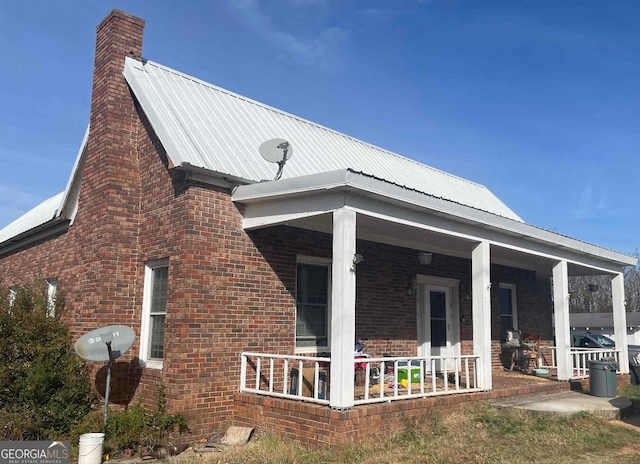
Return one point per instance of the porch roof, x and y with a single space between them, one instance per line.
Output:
390 211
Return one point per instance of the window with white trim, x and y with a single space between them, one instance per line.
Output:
52 290
13 294
313 304
508 309
154 311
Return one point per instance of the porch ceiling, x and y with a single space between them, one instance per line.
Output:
391 233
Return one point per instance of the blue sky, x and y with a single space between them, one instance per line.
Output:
538 101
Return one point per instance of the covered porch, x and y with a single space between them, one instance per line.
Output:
448 316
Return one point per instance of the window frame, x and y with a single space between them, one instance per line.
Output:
313 261
52 293
147 299
13 294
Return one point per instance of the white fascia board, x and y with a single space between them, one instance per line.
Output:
41 232
448 225
257 215
480 224
296 186
69 204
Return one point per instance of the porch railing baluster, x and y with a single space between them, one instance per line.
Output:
258 361
286 376
271 374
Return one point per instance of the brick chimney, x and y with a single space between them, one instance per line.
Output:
110 193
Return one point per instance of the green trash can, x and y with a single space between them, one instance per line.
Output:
602 378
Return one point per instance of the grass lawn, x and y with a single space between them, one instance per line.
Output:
480 435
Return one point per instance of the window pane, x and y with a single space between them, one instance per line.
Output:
438 332
506 302
159 290
506 323
158 310
438 308
157 337
506 311
312 305
438 305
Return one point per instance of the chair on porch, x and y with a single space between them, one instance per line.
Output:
513 345
529 352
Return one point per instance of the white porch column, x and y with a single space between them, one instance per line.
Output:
620 320
343 308
481 311
561 319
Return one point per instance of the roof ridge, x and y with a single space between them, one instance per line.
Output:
300 119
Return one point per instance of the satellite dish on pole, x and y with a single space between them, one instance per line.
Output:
92 346
105 344
276 151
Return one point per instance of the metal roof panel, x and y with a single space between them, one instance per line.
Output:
210 127
44 212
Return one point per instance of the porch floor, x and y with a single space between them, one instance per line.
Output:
507 380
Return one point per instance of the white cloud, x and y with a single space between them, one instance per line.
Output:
590 203
320 50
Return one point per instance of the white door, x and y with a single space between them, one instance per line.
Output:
438 330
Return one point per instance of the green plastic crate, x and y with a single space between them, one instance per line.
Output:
413 371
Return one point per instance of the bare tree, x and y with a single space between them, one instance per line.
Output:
592 294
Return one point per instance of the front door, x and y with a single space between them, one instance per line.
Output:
438 330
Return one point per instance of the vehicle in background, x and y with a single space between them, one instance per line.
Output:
600 341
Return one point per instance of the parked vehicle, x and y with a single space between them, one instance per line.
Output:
600 341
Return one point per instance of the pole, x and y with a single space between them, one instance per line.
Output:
107 387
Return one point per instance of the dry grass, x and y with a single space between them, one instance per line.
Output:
483 435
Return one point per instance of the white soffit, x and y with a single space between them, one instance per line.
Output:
212 128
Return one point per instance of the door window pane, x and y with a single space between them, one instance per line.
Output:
438 306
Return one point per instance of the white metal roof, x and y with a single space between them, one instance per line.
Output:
212 128
44 212
62 205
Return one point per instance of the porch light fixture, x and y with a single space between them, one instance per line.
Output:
413 285
573 294
424 257
357 259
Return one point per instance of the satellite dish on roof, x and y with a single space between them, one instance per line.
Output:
276 151
105 344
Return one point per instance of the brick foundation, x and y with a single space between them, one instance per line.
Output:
319 425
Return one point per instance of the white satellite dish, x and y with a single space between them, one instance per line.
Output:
105 344
276 151
93 346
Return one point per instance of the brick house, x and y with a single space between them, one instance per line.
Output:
246 294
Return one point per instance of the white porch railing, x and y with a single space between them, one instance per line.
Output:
580 358
284 376
306 378
421 377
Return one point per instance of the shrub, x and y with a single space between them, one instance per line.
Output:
140 428
44 385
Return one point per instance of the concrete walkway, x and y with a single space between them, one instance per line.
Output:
571 402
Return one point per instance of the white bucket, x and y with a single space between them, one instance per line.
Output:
91 445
